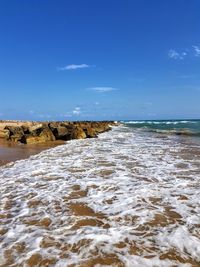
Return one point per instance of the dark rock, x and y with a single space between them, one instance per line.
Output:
60 132
16 134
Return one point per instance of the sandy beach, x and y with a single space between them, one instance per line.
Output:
10 151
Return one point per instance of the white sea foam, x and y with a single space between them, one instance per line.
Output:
160 122
141 191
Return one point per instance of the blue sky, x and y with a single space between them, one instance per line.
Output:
99 59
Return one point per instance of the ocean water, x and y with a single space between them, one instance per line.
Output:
178 127
129 198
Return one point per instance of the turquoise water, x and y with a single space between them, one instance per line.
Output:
178 127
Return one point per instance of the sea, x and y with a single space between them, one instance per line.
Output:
129 198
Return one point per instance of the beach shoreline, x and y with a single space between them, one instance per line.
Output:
21 139
11 152
124 193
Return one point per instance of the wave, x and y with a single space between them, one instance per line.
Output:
159 122
177 127
176 132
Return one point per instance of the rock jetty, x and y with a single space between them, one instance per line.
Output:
39 132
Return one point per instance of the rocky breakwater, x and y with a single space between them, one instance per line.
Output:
40 132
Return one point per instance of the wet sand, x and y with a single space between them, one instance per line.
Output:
10 151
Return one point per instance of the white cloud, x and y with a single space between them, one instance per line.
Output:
102 89
47 116
77 111
196 50
176 55
74 67
66 115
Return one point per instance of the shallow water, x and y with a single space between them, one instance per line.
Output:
11 151
128 198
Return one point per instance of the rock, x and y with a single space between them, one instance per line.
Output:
69 132
60 132
25 129
36 128
34 140
5 134
47 135
78 133
38 132
44 136
16 134
90 132
53 125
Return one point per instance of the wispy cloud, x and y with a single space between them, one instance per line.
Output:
193 51
65 115
196 50
45 116
176 55
74 67
77 111
102 89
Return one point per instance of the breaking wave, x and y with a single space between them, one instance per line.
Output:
177 127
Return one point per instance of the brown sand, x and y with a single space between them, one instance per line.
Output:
10 151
